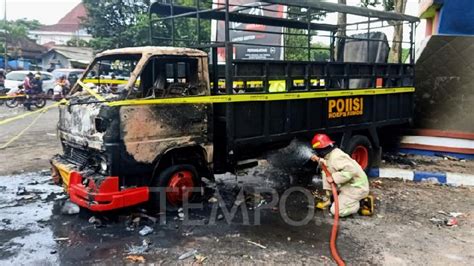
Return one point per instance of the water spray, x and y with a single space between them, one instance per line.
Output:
297 155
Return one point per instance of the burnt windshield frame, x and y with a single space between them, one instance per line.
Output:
165 59
97 62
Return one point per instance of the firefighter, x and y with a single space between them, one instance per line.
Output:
349 177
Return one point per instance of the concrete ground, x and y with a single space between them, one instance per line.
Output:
409 226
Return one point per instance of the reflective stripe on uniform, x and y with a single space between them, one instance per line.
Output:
360 182
346 174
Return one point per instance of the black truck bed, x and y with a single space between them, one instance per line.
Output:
246 129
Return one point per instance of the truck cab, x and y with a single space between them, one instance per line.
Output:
112 155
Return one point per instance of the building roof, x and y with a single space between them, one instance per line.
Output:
71 22
28 47
76 54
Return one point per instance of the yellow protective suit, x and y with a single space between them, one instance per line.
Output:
351 180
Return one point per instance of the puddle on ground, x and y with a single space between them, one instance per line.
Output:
33 230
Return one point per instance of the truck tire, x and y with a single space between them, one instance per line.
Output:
177 177
361 150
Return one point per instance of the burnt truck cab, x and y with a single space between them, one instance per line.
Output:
113 154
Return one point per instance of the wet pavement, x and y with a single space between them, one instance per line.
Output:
33 228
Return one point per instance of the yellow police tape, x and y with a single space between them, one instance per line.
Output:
17 136
228 98
248 97
261 97
106 81
11 119
91 91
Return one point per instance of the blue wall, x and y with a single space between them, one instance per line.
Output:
457 17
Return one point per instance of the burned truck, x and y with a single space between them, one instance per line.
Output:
166 116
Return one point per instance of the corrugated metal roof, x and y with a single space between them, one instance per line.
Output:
82 54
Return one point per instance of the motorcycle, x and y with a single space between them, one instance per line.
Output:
59 92
20 98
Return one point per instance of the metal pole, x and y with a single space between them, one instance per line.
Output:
332 40
172 24
228 52
368 40
150 28
308 17
198 23
412 38
230 125
5 55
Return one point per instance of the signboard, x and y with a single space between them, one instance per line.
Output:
249 38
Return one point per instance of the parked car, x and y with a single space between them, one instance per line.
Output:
15 78
72 74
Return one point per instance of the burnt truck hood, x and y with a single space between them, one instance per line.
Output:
86 125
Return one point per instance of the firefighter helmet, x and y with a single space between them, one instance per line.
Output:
321 141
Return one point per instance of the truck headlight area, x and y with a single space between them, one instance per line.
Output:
103 165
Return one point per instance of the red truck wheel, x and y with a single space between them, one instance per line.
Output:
180 185
360 149
361 155
178 180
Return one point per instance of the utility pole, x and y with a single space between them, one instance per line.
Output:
341 32
5 55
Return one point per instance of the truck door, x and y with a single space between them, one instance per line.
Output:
150 130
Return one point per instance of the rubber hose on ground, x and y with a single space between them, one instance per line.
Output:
335 225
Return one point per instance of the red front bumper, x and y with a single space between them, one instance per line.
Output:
104 196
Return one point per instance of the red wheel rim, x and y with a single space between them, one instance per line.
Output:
361 156
180 187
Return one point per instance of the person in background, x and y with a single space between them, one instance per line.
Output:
64 83
37 84
28 89
2 79
36 87
2 85
27 82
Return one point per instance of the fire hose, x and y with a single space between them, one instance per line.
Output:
332 242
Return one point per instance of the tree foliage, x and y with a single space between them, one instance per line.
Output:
124 23
117 23
16 29
388 5
19 28
76 42
297 39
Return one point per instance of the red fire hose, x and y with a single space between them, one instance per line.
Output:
332 242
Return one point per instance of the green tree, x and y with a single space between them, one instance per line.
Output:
76 42
16 29
125 23
19 28
116 23
297 39
185 28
